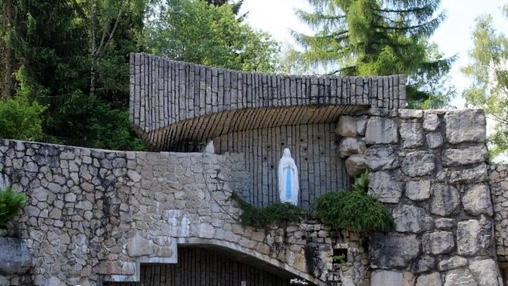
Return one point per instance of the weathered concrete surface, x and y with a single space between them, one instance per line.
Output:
233 100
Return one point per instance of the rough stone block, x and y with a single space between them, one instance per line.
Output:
346 126
477 200
411 134
466 176
385 277
134 176
474 236
418 163
465 126
438 242
355 165
418 190
384 187
445 200
434 140
361 125
423 264
382 158
4 181
452 263
460 276
444 223
412 219
350 146
381 131
465 156
431 279
410 113
430 121
485 272
393 250
138 245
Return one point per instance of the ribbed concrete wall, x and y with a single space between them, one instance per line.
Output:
313 148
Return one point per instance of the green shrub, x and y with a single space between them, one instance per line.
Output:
278 213
11 204
355 210
20 119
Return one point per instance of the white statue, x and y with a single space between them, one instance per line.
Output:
209 148
288 179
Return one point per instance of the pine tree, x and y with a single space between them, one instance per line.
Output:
372 37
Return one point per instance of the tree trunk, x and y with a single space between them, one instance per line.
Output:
7 89
93 47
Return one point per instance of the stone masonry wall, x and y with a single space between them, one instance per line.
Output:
498 181
430 168
95 215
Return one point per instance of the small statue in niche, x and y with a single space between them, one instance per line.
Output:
288 179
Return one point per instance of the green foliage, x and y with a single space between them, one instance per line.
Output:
279 213
361 182
20 119
86 121
72 57
11 204
488 71
355 210
235 7
57 45
371 37
339 258
197 32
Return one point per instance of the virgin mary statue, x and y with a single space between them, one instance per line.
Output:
288 179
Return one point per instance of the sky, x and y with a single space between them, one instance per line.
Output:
453 36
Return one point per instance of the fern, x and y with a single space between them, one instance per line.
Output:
356 210
11 204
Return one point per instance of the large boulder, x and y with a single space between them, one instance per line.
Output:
14 255
393 250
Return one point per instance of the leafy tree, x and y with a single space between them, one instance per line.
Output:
105 24
371 37
194 31
72 57
488 71
234 6
20 118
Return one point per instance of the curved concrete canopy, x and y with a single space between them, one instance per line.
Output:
174 103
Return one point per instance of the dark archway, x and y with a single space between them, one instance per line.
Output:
210 265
